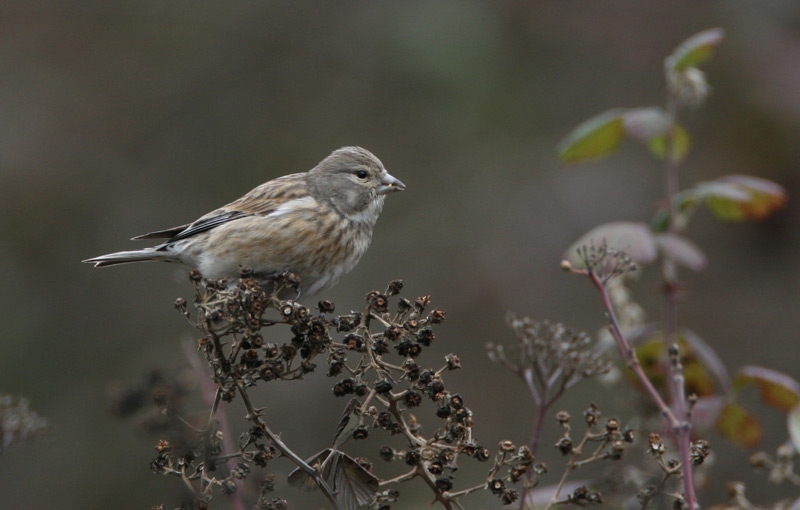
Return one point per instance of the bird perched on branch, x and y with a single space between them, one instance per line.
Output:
316 225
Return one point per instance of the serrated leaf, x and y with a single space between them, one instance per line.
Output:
681 250
635 239
695 50
676 140
644 124
594 139
760 198
739 426
775 388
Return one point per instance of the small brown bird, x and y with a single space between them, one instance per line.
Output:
315 224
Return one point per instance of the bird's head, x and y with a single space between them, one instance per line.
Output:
354 181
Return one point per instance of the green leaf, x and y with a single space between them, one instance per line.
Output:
635 239
676 140
743 198
719 189
644 124
738 425
681 250
594 139
775 388
689 198
695 50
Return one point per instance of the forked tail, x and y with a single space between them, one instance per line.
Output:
126 257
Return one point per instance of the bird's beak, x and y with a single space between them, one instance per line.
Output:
389 184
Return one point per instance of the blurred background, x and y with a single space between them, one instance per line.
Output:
119 118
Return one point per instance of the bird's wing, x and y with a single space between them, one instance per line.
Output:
162 234
266 198
205 223
261 201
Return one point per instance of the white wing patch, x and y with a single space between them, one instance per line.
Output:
295 205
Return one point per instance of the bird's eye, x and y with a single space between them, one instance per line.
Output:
362 174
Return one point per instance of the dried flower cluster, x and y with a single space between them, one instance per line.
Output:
373 358
597 444
551 351
605 262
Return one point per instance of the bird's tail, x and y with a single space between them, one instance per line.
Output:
125 257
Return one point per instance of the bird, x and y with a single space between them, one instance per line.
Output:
316 224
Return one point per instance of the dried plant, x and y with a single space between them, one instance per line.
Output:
374 357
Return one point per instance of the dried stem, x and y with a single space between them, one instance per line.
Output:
679 425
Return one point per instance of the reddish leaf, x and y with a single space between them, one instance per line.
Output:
739 426
763 197
775 388
594 139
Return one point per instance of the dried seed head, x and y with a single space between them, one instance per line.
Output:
383 386
698 451
509 496
386 453
412 399
436 316
394 287
412 458
326 306
444 483
507 446
422 302
592 415
496 486
656 444
360 432
378 302
564 445
481 454
453 362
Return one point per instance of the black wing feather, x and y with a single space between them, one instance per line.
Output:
201 225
